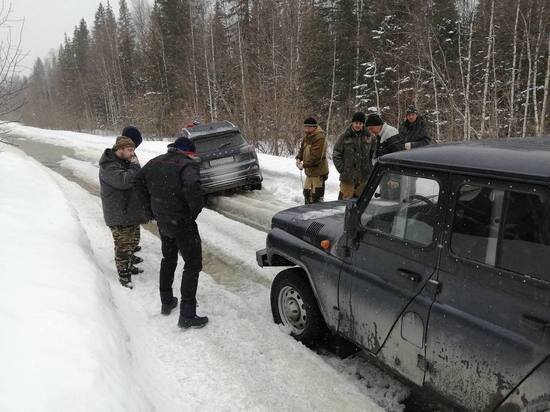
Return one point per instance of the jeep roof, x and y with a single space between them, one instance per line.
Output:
210 129
515 158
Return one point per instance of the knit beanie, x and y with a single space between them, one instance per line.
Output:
123 142
359 117
374 119
412 109
311 122
184 144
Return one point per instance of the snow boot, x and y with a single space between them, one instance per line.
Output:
167 308
137 249
135 270
195 322
125 280
136 260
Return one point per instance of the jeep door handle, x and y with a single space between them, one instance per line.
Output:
535 323
409 275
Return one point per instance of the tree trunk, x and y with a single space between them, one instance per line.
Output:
487 67
332 87
530 65
513 81
546 92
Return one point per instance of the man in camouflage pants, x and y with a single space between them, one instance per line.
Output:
122 207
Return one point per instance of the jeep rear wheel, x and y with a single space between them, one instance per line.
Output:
294 306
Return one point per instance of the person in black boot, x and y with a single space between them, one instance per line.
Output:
170 185
122 209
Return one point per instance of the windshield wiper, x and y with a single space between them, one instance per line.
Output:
223 145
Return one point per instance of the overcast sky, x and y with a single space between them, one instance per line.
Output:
47 21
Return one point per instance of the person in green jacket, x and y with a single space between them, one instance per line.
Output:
312 158
352 156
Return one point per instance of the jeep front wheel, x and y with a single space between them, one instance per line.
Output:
294 306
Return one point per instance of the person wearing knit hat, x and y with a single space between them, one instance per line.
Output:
312 158
122 208
386 137
414 130
171 184
352 157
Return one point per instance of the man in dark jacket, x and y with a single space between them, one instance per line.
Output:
312 158
352 156
386 137
133 133
413 130
122 209
170 185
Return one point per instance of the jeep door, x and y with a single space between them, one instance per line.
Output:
489 326
393 260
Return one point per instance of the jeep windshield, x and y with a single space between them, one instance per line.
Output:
220 142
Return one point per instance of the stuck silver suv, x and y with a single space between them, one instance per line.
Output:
227 160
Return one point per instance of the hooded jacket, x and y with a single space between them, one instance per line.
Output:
415 133
170 185
313 152
352 156
120 201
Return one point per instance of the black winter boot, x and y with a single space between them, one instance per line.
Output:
167 308
137 249
195 322
136 260
125 280
135 270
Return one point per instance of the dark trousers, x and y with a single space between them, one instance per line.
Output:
186 240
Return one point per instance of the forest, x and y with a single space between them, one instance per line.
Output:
474 68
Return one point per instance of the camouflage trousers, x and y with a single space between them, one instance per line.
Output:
126 240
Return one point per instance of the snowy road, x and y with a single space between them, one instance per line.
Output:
241 360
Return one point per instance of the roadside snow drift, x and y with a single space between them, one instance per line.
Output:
61 344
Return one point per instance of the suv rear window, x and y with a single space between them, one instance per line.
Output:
504 229
211 144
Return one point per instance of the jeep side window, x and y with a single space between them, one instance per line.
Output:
526 235
520 242
403 207
476 222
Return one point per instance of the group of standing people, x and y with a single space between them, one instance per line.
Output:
355 152
167 189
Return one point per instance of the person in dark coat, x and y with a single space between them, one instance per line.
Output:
133 133
386 138
122 208
352 157
413 130
170 185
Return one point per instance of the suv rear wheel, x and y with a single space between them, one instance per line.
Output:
294 306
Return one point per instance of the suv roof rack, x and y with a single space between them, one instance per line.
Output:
207 129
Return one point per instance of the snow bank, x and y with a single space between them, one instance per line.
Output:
62 346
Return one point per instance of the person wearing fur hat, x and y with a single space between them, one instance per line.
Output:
133 133
413 130
312 158
170 186
352 157
122 209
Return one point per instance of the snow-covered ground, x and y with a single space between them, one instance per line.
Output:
240 361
